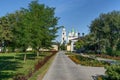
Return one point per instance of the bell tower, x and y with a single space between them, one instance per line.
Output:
63 38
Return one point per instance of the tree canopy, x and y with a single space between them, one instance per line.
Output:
106 31
34 26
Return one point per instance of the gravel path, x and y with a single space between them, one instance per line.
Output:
63 68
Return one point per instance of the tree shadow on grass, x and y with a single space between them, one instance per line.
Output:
8 66
2 58
30 56
6 75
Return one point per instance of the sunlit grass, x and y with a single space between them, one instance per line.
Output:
13 63
41 72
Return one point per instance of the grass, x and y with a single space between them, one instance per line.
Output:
41 72
13 63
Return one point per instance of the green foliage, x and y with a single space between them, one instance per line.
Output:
6 34
34 27
42 71
79 44
116 53
113 72
86 61
12 64
118 45
63 47
105 30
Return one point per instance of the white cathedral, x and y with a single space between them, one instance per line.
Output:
72 38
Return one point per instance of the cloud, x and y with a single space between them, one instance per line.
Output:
65 6
62 8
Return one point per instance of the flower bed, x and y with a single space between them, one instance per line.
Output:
86 61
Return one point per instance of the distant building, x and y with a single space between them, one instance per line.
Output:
70 39
72 34
63 38
55 47
68 47
29 48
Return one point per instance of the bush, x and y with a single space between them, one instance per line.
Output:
116 53
109 51
113 72
112 52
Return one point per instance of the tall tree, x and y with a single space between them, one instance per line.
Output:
106 29
34 26
5 33
43 25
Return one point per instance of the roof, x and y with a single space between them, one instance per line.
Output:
77 38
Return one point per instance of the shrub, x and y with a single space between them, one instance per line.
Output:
117 53
113 72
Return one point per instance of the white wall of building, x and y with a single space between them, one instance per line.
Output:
63 38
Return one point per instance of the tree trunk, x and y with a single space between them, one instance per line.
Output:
25 57
37 54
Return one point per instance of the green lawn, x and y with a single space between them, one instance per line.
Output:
13 63
41 72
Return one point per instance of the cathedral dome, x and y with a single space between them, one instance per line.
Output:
63 29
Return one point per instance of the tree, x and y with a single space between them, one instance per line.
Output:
42 26
19 30
34 27
63 46
5 33
106 29
79 44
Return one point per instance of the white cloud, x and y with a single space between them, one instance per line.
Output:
69 5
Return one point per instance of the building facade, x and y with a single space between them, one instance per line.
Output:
72 35
70 39
64 37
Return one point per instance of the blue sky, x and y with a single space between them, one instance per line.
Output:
76 14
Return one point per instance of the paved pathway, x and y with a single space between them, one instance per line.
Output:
63 68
